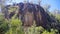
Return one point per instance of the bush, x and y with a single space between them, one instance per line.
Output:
3 25
15 26
58 17
53 31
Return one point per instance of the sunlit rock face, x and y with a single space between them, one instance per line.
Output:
28 13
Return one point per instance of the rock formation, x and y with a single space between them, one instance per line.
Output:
28 13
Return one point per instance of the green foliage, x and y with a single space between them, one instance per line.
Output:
12 8
3 25
53 31
15 22
39 30
36 30
15 26
33 29
58 17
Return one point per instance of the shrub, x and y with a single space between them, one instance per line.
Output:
15 26
3 25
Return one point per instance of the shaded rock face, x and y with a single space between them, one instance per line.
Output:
33 12
28 13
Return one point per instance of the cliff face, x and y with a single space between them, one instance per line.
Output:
31 12
28 13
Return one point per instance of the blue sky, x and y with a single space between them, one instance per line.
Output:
55 4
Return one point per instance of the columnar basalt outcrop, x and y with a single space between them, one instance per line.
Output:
28 13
